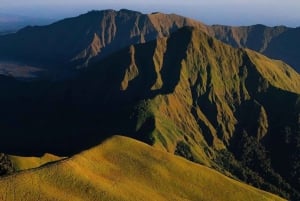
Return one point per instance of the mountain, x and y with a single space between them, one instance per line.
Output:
189 94
276 42
257 37
75 42
285 47
125 169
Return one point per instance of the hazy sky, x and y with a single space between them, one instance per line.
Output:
233 12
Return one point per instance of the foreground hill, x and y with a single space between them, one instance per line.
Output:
125 169
234 110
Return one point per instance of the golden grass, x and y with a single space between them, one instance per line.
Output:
24 163
125 169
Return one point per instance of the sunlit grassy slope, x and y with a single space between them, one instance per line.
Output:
125 169
24 163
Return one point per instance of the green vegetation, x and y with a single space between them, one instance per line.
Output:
6 166
251 164
182 149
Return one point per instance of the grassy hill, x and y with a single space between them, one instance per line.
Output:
125 169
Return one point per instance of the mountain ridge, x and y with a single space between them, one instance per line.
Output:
114 27
97 34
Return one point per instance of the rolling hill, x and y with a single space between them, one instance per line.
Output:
125 169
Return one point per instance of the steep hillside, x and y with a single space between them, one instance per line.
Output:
187 94
125 169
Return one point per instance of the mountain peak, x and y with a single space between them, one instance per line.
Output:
123 10
110 11
69 42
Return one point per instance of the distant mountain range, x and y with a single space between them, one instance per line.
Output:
77 41
11 23
165 80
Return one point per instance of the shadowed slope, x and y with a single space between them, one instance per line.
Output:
286 47
125 169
